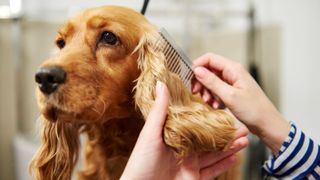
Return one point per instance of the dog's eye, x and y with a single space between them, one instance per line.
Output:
109 38
60 43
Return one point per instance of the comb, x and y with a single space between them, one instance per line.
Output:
176 60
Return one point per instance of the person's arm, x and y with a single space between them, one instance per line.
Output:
298 157
222 82
242 95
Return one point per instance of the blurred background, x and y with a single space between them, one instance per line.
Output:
277 40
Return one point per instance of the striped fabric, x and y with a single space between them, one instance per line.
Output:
298 158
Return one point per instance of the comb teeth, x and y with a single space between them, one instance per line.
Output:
177 61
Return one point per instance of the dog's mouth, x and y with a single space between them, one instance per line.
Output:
51 114
68 104
54 113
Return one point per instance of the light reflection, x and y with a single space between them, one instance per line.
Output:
5 12
11 11
15 6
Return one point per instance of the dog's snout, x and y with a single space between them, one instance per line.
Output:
50 78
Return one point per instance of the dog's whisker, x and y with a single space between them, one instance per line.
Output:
103 109
104 106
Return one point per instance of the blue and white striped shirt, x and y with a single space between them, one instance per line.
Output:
298 158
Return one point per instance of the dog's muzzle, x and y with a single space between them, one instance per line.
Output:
49 78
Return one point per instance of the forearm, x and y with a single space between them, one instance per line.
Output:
273 129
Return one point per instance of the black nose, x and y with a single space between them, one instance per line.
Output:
50 78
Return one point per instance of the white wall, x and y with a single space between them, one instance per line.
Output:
8 105
298 19
300 75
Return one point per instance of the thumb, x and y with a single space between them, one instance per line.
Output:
158 113
213 82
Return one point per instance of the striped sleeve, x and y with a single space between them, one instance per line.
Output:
298 158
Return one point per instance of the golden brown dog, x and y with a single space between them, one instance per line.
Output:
102 83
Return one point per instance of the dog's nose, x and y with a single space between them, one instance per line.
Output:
50 78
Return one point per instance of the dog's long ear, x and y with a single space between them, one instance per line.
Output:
192 125
152 67
58 152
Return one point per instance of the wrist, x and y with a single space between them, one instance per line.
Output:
273 131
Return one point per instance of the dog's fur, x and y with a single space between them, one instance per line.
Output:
108 93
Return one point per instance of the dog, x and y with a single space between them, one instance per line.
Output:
101 83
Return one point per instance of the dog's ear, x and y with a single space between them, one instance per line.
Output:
192 125
58 152
152 67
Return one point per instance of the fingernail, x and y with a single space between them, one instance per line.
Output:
159 87
215 105
205 98
200 72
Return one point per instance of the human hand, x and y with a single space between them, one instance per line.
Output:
219 79
152 159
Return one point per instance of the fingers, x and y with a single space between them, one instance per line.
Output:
241 132
211 158
196 86
218 168
211 99
213 83
217 104
212 61
206 96
223 162
237 145
240 142
158 113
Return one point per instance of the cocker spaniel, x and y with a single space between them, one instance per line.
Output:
102 83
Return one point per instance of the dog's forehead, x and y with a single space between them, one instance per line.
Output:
125 23
96 17
106 15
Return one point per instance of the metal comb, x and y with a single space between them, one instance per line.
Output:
177 61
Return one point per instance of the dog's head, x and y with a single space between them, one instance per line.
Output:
91 78
104 54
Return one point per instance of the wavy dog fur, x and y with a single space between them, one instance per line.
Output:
191 126
108 94
58 152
